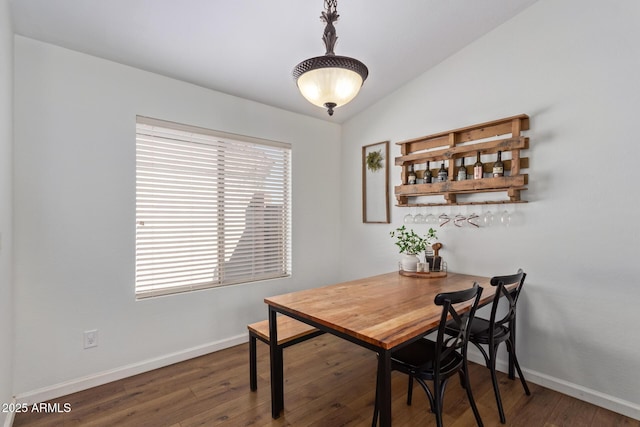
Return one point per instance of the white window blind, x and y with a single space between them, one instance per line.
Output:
211 208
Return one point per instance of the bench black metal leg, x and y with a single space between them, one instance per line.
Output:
253 375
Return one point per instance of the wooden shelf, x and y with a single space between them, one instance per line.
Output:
487 138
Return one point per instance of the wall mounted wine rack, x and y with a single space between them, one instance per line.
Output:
488 138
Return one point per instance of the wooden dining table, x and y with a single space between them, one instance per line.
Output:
381 313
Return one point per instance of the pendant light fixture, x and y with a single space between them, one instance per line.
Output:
330 81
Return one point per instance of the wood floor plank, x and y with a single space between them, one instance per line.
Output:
605 418
571 412
328 382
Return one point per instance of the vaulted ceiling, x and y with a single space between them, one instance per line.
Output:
248 48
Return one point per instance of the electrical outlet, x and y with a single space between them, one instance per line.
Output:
91 338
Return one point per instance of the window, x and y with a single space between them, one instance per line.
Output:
212 209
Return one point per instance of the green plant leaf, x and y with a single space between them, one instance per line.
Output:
409 242
374 160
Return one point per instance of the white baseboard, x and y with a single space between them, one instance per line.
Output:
89 381
620 406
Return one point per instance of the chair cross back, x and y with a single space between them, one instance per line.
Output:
447 301
428 360
502 282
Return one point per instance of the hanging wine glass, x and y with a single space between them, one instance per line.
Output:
459 220
473 220
505 218
487 219
444 219
430 219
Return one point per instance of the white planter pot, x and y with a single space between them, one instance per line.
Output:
409 262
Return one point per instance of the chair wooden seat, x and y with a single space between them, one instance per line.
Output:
290 332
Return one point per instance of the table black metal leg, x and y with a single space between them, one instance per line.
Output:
277 375
384 387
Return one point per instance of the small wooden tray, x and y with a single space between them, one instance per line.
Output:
424 274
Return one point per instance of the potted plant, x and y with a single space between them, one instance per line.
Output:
411 244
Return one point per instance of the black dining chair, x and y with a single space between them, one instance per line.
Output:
498 329
437 361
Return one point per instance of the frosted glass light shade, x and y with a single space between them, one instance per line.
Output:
330 85
330 81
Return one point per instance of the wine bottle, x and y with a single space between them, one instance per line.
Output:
442 173
498 167
427 175
411 178
478 168
462 171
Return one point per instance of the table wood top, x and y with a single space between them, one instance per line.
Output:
384 310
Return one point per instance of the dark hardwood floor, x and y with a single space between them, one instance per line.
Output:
329 383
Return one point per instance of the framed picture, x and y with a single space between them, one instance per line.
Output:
375 183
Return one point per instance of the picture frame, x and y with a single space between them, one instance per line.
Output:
375 183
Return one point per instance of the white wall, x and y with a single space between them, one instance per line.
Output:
74 219
573 66
6 205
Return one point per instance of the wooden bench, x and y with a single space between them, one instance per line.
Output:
290 332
